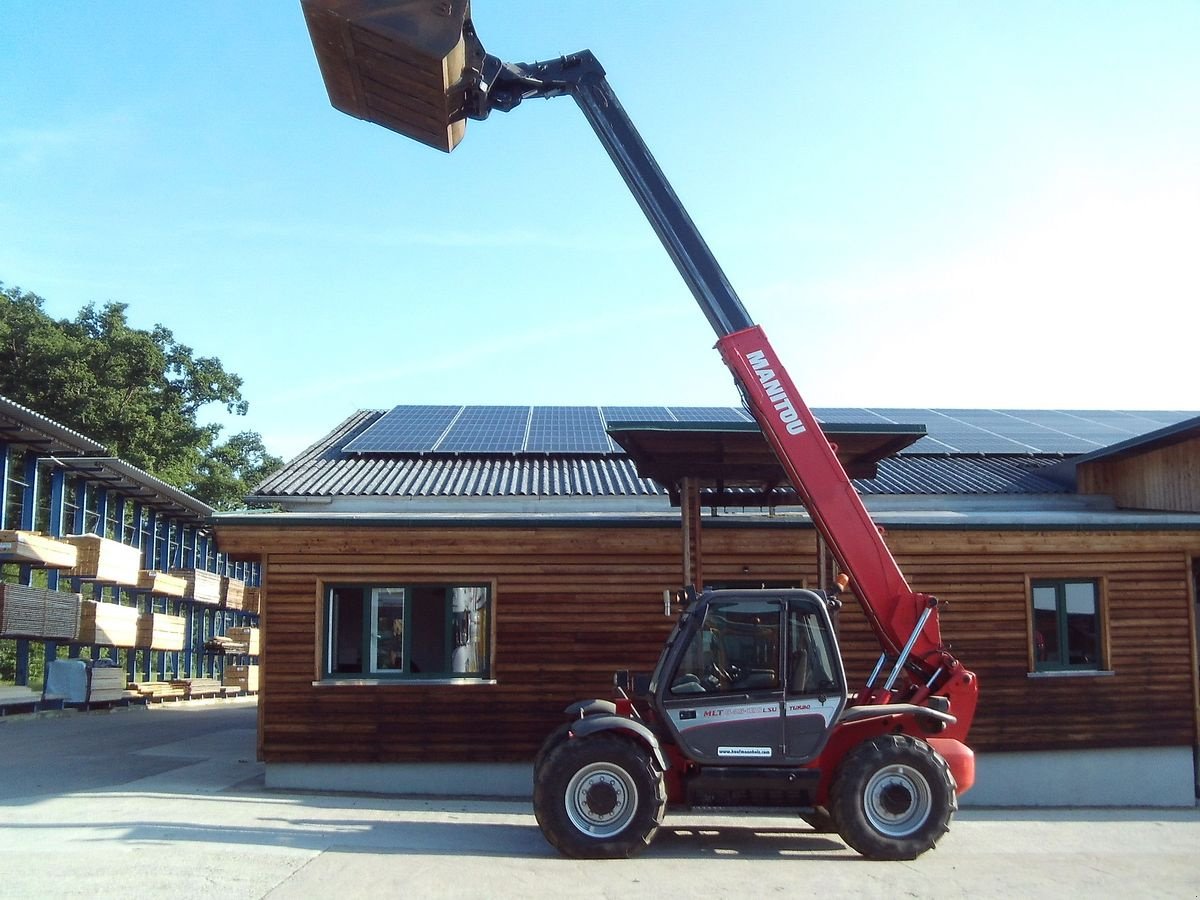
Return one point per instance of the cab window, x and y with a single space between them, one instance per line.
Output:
737 649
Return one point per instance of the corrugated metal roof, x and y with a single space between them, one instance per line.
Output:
325 471
961 475
21 425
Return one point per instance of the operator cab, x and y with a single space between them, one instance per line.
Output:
751 677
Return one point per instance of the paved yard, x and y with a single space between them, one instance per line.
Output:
169 801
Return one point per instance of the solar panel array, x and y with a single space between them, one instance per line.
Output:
582 430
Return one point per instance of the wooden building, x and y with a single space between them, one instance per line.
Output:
442 581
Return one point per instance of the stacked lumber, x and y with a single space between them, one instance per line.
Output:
243 677
202 587
198 687
162 583
159 631
34 612
157 690
233 593
104 560
220 643
246 637
107 623
106 683
252 600
34 549
14 695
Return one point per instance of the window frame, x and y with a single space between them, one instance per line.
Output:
1041 668
368 673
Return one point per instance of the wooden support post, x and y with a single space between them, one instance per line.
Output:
693 546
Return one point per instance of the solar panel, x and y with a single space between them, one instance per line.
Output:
405 429
1131 424
1048 431
567 429
949 433
581 429
487 429
1069 424
926 444
636 414
849 416
710 414
902 416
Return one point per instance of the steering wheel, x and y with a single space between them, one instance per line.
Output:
718 678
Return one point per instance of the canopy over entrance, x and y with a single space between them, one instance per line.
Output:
733 465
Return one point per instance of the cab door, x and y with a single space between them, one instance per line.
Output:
724 697
816 681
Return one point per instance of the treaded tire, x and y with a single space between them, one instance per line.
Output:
893 798
599 797
557 736
819 820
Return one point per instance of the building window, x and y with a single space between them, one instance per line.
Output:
408 631
1066 625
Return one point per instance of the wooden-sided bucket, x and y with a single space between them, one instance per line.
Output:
397 63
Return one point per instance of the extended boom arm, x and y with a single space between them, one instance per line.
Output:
471 83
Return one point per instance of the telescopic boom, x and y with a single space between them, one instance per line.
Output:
418 68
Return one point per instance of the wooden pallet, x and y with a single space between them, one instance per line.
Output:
202 587
160 631
14 698
222 643
35 612
233 593
105 684
244 677
157 691
109 624
104 560
162 583
35 549
199 687
245 636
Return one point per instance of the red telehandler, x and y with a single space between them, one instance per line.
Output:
748 705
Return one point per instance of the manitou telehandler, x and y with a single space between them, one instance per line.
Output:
748 705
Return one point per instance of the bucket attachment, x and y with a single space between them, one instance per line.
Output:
397 63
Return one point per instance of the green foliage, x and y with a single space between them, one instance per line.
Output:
225 475
8 662
138 392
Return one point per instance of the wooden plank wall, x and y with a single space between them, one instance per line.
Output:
1150 697
1167 478
571 605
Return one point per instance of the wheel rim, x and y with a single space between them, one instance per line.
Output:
898 800
601 799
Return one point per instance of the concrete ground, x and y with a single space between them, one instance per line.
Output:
168 800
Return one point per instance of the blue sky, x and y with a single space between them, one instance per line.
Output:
924 204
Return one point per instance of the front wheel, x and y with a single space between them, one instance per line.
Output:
599 797
893 798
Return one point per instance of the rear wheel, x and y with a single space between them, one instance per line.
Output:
599 797
893 798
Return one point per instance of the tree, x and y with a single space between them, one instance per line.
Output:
138 392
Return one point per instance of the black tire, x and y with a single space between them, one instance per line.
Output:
819 820
557 736
599 797
893 798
